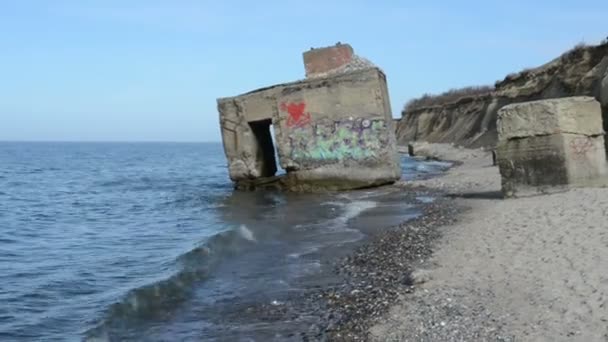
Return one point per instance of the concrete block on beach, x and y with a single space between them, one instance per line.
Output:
331 131
549 145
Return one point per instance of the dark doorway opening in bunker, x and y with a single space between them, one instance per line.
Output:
262 131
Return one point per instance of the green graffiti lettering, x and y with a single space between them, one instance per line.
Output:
333 141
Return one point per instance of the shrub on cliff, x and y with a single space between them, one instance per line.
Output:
452 95
569 56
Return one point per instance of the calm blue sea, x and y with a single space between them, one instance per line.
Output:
148 241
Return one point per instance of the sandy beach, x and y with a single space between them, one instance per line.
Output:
527 269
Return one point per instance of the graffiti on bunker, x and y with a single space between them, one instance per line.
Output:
328 140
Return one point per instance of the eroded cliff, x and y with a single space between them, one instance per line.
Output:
471 121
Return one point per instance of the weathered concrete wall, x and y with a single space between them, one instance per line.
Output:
331 133
339 131
243 151
549 145
576 115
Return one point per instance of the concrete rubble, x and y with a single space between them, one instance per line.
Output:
550 145
333 130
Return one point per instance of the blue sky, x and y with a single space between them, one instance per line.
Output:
113 70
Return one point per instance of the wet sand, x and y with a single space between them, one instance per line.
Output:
529 269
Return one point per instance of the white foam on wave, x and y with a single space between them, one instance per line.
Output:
333 203
245 233
304 251
354 208
338 227
425 199
351 210
358 195
307 267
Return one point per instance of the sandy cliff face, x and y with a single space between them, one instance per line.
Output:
471 121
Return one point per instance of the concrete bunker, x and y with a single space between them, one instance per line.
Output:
332 131
550 145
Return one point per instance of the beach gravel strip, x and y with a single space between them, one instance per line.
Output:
377 273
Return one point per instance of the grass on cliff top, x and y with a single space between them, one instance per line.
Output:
569 56
452 95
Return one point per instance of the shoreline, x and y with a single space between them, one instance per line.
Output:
361 279
478 267
296 308
383 267
377 273
472 267
525 269
357 281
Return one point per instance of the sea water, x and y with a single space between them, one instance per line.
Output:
148 241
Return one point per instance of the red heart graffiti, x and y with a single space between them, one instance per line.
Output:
297 116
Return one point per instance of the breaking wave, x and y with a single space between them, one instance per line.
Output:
161 298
